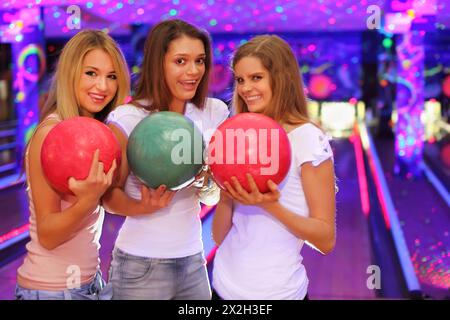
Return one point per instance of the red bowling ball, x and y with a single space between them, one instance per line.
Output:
249 143
69 147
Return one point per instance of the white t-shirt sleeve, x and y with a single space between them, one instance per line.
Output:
311 145
125 117
217 113
220 112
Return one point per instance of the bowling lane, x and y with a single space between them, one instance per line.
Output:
425 220
342 274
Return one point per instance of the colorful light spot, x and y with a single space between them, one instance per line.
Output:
320 86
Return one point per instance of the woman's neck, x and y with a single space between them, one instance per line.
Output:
289 126
85 113
177 106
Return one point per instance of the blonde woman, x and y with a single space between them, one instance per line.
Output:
62 261
260 236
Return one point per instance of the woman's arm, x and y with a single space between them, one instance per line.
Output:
319 188
118 202
222 221
56 226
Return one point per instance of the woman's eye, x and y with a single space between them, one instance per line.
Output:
112 76
90 73
180 61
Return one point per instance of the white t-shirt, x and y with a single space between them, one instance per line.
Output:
174 231
259 258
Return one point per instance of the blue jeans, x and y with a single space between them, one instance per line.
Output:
95 290
140 278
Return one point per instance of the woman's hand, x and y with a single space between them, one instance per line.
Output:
238 193
96 183
155 199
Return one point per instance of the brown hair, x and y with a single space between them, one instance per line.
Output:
288 104
151 84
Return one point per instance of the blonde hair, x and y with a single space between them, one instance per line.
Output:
62 97
288 104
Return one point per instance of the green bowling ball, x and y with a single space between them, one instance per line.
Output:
165 148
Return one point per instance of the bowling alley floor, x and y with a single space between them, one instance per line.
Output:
425 220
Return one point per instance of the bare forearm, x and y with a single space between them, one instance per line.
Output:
222 221
317 232
118 202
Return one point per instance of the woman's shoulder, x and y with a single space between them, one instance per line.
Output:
41 132
310 143
215 103
216 107
47 123
127 109
305 128
213 108
308 131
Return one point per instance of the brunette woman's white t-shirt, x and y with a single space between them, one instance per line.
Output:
173 231
260 258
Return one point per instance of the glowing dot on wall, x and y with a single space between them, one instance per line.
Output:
320 86
411 13
135 69
20 96
311 47
406 64
387 43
